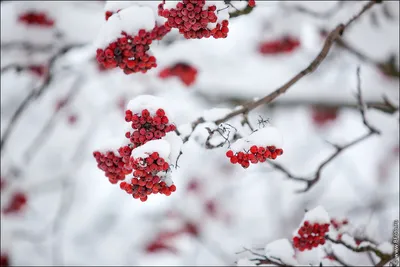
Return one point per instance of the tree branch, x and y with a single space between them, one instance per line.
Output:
333 36
339 148
34 94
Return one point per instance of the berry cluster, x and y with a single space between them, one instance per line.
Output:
284 45
159 31
186 73
116 167
147 178
146 181
36 18
310 236
18 202
192 18
129 53
147 127
338 224
254 155
323 115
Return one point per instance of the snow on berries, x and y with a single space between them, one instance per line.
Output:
124 41
261 145
35 18
283 45
149 122
312 230
196 19
185 72
150 163
143 163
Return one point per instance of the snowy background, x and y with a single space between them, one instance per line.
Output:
74 216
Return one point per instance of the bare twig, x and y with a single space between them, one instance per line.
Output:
46 130
369 248
263 259
338 148
333 36
34 94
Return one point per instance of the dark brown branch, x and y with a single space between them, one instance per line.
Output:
34 94
333 36
383 256
338 148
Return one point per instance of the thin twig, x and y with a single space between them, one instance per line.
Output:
34 94
333 36
338 148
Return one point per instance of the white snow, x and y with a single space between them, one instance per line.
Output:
386 248
161 146
215 114
282 250
112 144
114 6
317 215
176 144
129 20
267 136
245 262
151 103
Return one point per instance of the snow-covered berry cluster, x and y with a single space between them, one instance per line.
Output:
147 126
312 230
196 19
115 166
36 18
147 177
185 72
310 236
255 155
286 44
261 145
153 145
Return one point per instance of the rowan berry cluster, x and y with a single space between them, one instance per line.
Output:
254 155
286 44
129 53
18 202
192 18
186 73
337 224
116 167
146 180
36 18
147 127
310 236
